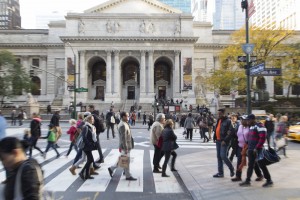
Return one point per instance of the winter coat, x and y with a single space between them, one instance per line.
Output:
89 137
189 123
30 183
35 127
125 137
169 139
224 131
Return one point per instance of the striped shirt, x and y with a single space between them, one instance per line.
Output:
257 136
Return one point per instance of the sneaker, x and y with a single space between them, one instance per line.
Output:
217 175
131 179
245 184
259 178
268 184
110 172
236 179
156 171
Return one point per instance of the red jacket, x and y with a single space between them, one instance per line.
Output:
72 132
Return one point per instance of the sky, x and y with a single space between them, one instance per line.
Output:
30 9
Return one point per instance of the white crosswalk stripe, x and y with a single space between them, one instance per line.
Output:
59 179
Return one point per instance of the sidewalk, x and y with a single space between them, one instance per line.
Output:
196 171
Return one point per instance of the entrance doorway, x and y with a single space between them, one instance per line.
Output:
131 92
162 92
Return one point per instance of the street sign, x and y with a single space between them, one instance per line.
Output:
248 48
244 59
70 88
81 89
257 69
271 72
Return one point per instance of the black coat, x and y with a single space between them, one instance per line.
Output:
55 119
30 183
169 139
35 128
226 135
87 136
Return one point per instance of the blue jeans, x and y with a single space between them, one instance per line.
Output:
222 156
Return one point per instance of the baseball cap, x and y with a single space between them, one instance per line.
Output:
51 125
244 116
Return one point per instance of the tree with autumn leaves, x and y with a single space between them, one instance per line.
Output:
271 47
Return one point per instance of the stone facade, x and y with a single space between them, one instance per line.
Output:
123 50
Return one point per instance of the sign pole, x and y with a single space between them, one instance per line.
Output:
245 6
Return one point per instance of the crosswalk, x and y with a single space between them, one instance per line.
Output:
57 177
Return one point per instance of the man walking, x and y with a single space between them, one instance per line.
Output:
256 140
99 124
222 138
156 131
125 145
269 124
110 121
144 118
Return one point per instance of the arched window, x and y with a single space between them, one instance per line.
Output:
98 71
261 83
35 85
131 71
278 86
162 72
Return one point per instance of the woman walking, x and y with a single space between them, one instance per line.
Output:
89 138
72 132
189 125
35 130
242 137
168 146
281 133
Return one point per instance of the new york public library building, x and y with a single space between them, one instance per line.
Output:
125 51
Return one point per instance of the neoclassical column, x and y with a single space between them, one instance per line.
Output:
117 78
83 73
25 62
108 72
151 72
44 75
176 73
143 73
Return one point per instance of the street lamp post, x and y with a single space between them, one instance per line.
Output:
75 74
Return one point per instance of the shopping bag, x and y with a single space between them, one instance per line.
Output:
123 161
280 142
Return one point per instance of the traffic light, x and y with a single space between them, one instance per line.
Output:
31 73
244 4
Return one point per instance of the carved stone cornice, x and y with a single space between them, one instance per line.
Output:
211 45
134 39
31 45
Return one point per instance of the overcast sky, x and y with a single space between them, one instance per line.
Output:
30 9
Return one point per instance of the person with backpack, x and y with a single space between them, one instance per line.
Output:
110 121
100 128
51 141
35 130
25 180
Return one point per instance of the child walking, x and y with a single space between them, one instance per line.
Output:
51 140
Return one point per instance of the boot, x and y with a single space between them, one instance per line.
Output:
164 175
92 171
72 170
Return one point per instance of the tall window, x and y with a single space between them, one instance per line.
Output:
36 62
36 85
99 71
131 72
162 72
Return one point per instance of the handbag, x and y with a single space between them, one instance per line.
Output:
123 161
267 156
159 142
280 142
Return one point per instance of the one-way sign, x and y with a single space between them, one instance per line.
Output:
257 69
244 59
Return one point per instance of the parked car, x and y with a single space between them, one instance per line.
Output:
294 132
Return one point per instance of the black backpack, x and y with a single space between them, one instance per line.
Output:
99 124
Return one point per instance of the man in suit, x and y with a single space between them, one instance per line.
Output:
125 145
